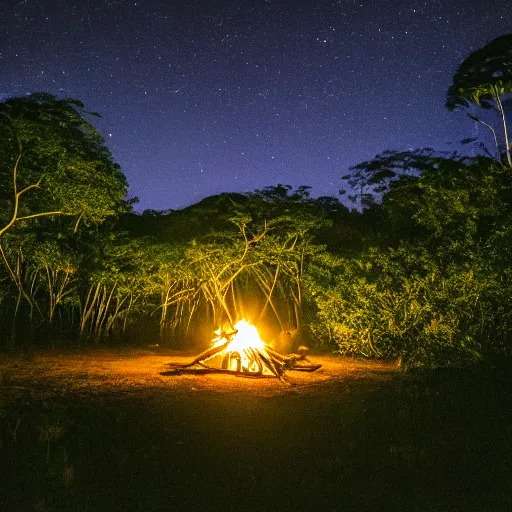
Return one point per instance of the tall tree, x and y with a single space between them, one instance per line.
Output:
483 79
53 163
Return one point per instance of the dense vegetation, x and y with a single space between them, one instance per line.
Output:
420 270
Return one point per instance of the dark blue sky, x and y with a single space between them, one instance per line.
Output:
200 97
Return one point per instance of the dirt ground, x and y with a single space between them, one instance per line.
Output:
104 430
138 373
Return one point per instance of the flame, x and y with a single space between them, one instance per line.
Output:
246 338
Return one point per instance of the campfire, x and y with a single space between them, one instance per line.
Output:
242 352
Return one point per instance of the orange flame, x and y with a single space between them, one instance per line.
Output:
246 338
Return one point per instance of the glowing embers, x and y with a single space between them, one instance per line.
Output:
243 353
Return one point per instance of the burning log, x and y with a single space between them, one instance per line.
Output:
244 354
207 354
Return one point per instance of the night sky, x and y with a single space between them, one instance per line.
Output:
200 97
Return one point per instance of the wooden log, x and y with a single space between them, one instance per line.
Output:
207 371
256 360
306 368
277 370
275 354
203 356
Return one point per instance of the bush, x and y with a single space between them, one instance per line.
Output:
429 318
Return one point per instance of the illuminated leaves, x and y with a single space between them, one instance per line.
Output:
62 157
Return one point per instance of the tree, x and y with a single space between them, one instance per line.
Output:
373 179
483 79
53 163
432 285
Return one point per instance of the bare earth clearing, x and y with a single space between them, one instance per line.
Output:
103 430
136 372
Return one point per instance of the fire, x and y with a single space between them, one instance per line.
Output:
246 337
244 353
240 348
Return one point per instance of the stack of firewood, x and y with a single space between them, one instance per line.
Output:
260 362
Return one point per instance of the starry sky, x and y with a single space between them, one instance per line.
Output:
200 97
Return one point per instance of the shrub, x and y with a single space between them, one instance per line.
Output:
429 318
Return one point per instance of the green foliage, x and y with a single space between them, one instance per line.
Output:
380 307
374 178
64 165
450 204
57 182
420 273
231 274
433 290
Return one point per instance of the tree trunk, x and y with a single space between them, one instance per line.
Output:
504 121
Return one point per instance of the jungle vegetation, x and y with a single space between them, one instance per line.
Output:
419 268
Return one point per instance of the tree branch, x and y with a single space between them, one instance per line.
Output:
474 118
42 214
504 121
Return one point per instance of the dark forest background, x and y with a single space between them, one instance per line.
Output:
417 267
